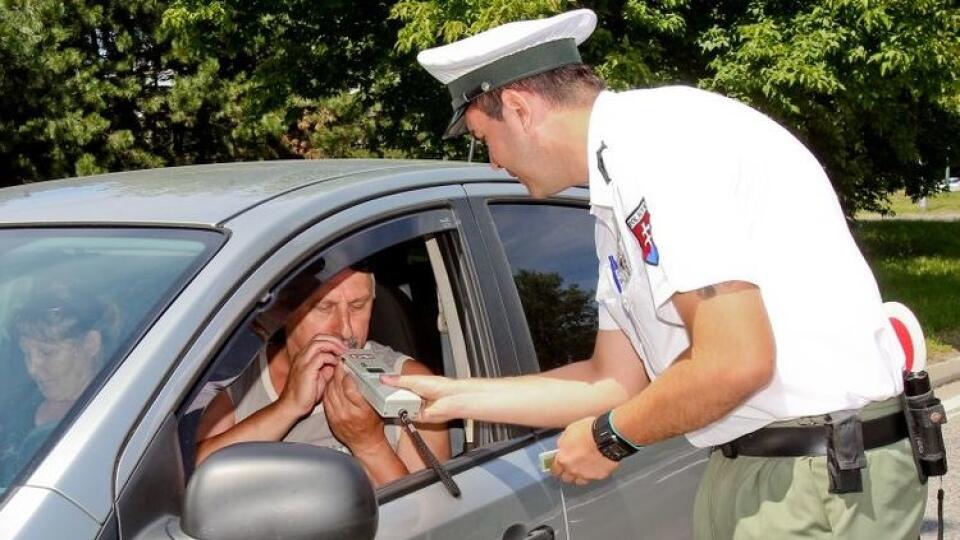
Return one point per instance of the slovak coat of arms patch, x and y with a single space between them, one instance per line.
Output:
639 224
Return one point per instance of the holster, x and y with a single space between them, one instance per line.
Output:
915 439
926 438
845 452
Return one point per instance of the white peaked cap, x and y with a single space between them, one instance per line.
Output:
510 52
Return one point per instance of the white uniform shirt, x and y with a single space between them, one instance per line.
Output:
705 190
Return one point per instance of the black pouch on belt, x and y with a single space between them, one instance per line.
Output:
925 417
845 454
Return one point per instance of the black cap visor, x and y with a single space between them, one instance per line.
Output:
458 123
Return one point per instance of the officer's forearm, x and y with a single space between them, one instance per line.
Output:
686 397
560 396
534 400
584 371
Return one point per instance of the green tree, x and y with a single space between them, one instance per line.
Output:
871 87
331 72
97 85
88 87
65 107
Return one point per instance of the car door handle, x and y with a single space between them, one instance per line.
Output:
540 533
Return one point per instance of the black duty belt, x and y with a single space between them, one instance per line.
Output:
811 440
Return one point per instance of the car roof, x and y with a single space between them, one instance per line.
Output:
203 194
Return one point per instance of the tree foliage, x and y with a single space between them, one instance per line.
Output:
100 85
871 87
332 71
66 72
88 87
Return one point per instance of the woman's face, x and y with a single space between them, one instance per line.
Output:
61 368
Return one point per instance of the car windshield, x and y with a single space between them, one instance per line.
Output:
72 303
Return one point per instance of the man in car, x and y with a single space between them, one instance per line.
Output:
299 391
734 306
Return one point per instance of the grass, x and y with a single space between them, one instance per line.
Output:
942 204
918 263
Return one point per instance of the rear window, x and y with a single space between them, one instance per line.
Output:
72 304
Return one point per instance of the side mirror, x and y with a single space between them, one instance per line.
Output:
251 491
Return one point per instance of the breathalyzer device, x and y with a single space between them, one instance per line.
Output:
367 366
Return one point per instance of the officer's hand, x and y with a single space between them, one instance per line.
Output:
439 395
578 459
352 420
310 370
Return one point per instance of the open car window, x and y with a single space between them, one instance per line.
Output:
418 311
72 303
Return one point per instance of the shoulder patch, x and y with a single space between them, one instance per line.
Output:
639 223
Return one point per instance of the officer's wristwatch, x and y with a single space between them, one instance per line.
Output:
610 444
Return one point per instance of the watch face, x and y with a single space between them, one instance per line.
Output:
607 442
613 451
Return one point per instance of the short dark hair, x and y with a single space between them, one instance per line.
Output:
565 86
61 311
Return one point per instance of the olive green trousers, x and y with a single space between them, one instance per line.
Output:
770 498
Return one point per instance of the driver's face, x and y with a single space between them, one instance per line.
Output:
342 308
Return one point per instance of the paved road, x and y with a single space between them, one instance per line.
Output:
950 394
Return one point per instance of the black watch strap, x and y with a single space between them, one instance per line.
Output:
608 442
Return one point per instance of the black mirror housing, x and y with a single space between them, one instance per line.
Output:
251 491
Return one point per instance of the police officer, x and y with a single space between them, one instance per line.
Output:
734 306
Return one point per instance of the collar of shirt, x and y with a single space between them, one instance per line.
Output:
600 191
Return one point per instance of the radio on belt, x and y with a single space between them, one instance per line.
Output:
367 367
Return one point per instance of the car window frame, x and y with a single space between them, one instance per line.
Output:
357 244
513 204
214 240
482 195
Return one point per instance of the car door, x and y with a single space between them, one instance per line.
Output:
543 253
503 493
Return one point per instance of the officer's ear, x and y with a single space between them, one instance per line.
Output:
517 108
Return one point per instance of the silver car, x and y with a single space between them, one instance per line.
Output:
125 300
